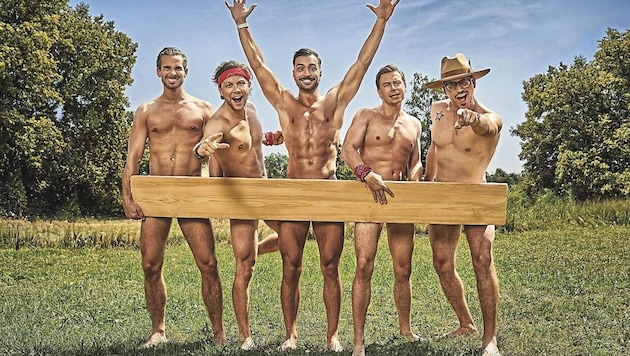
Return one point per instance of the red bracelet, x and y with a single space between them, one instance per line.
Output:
268 141
361 171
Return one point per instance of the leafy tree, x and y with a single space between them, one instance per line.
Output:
501 176
577 129
61 110
419 105
276 165
343 171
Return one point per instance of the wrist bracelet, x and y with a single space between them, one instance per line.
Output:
196 151
361 171
242 25
268 138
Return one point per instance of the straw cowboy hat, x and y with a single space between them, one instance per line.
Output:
455 68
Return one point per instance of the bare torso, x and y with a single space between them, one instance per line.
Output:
388 143
311 136
173 128
460 154
244 157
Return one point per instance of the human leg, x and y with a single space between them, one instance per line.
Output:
330 238
365 247
400 239
444 240
270 243
200 238
291 240
480 240
153 233
244 242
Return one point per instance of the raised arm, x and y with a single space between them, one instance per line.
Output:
271 87
349 85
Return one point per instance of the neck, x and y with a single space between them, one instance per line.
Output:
308 98
176 94
391 111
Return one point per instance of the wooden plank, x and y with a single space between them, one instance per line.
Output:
319 200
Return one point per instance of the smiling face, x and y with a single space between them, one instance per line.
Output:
392 88
307 73
235 91
172 71
461 92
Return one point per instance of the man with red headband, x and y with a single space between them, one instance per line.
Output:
311 123
464 134
172 124
233 141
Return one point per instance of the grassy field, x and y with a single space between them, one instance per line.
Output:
565 290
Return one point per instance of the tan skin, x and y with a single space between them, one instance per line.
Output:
173 123
311 123
388 140
233 138
463 145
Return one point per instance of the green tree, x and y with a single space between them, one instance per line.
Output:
576 130
343 171
62 121
276 165
419 105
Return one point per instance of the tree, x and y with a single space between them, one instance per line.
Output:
62 124
577 128
419 105
276 165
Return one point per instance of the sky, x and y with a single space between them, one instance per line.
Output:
516 39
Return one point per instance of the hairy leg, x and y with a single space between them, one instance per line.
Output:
153 234
330 240
270 243
444 240
291 239
400 239
480 240
365 246
244 241
200 238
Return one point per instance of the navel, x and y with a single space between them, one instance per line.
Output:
378 137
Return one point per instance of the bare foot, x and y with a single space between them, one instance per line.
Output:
410 336
335 345
220 339
155 339
248 344
358 350
491 350
288 345
461 331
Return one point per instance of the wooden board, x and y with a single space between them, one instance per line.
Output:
319 200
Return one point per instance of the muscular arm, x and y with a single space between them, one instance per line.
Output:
431 169
349 85
271 87
355 136
135 150
415 163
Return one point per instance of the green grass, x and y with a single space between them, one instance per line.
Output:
563 292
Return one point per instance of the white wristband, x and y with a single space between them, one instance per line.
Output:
242 25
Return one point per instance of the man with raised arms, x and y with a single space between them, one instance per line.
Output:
311 123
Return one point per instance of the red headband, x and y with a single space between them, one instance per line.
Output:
232 72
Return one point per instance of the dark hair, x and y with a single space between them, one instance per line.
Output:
389 69
228 65
171 51
306 52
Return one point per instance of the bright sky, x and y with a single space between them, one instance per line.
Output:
517 39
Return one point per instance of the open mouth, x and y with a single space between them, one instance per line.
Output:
462 98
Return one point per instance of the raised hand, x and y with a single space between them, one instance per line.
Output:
385 8
466 117
240 11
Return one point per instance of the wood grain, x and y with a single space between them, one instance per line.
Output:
319 200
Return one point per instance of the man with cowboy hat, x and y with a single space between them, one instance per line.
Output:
464 135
